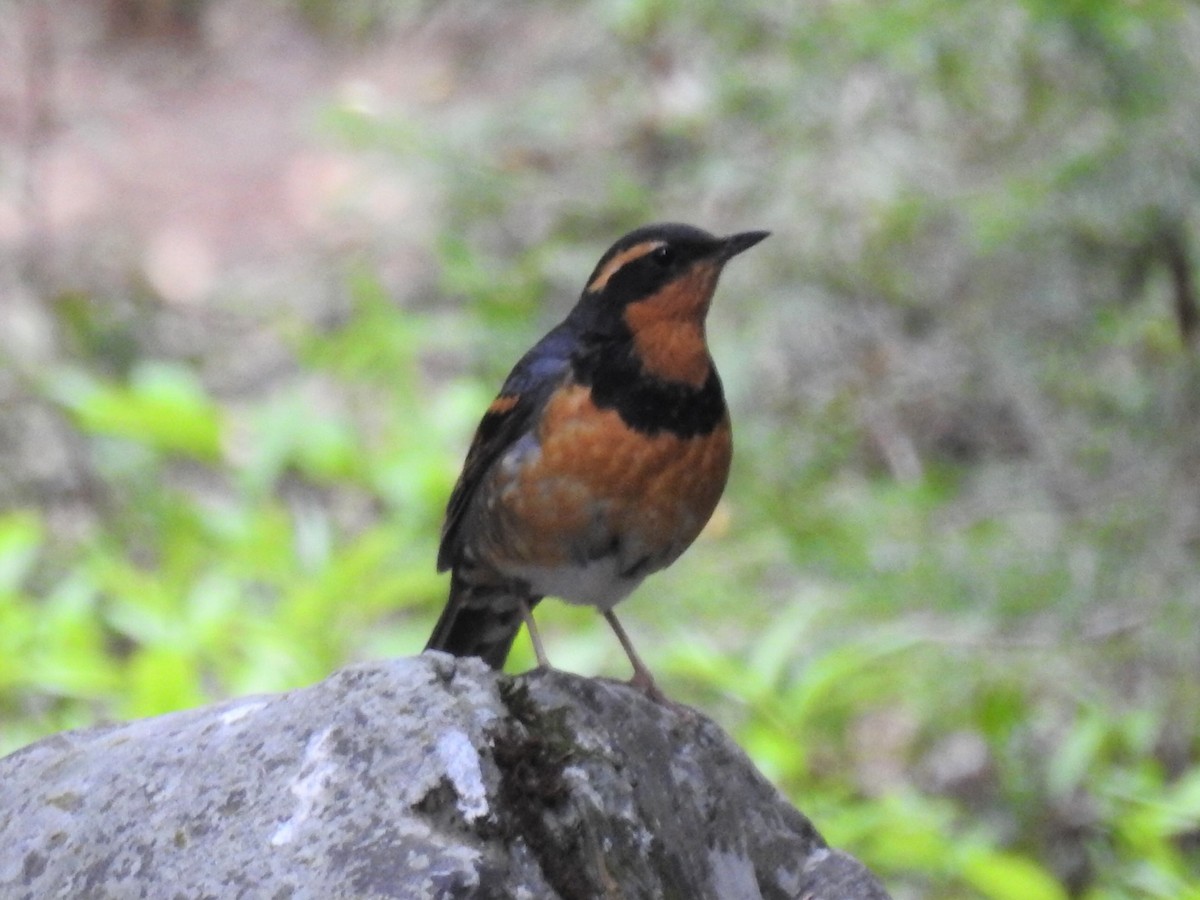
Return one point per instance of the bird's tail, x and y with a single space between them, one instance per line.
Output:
479 620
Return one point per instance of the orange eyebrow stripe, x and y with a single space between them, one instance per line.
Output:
617 262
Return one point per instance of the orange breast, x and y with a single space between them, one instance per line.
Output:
594 486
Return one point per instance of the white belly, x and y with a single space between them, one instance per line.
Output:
597 583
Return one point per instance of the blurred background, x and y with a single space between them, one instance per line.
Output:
263 264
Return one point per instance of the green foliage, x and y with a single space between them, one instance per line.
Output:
162 408
218 571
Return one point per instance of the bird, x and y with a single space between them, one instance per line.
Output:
602 457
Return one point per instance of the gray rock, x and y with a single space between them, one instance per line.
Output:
418 778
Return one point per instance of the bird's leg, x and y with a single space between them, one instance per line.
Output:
538 650
642 679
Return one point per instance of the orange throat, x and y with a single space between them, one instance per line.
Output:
668 328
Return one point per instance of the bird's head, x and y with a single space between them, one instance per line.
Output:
654 286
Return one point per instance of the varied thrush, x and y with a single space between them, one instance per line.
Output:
603 456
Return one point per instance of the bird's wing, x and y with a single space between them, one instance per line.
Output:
513 414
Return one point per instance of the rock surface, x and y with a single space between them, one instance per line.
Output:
418 778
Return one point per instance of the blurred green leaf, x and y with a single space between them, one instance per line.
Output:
160 679
1005 876
70 656
163 406
21 536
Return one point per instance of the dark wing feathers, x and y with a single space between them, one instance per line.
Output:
512 414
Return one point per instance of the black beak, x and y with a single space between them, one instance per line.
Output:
736 243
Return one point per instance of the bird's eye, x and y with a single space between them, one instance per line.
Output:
663 256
